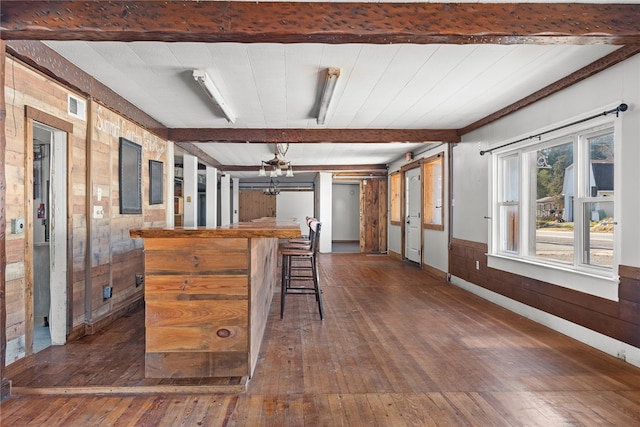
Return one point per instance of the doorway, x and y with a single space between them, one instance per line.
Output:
413 228
49 236
345 211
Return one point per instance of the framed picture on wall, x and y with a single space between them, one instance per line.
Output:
130 177
156 183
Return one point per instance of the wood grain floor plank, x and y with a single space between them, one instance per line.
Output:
397 347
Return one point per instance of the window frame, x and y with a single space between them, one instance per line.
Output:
432 199
589 278
395 198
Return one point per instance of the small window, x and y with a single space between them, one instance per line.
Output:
396 192
433 196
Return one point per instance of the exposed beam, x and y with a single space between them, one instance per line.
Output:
312 135
200 154
47 61
595 67
374 168
321 22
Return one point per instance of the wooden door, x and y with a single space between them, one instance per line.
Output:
373 215
255 204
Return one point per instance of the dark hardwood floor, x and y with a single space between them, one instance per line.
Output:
397 348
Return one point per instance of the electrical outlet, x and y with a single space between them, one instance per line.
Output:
139 280
107 292
477 265
17 226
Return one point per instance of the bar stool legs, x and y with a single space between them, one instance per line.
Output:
301 259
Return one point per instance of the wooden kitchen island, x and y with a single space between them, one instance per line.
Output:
207 296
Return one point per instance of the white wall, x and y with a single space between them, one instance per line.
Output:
435 243
346 211
471 186
324 202
594 95
295 204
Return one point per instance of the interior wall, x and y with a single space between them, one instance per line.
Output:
98 235
346 211
435 243
295 204
591 318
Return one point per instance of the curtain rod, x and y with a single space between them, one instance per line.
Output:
620 108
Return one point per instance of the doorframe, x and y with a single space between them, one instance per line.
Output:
33 116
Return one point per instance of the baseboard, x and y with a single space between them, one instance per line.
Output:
434 272
18 366
5 389
395 255
604 343
101 324
76 333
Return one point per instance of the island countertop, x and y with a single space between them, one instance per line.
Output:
263 227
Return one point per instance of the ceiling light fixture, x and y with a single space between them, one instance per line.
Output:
213 93
273 189
277 164
327 93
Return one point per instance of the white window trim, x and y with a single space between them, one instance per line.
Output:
594 281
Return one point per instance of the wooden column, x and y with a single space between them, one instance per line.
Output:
4 384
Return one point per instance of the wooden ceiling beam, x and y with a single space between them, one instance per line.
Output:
50 63
321 22
293 136
372 169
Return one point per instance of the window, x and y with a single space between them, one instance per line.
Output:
432 173
554 202
396 192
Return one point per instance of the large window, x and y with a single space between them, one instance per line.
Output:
554 202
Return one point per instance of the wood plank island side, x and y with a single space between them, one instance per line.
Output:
207 296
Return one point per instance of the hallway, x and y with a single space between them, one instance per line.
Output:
397 347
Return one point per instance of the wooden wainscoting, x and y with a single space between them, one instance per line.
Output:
619 320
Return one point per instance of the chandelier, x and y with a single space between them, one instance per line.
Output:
277 164
273 189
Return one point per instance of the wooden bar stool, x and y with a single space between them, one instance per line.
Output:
300 269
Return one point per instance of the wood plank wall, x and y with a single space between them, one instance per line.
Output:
197 307
4 383
263 277
619 320
254 204
104 244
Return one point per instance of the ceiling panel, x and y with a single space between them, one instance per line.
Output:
269 85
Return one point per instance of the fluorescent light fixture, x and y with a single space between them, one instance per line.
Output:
327 93
213 93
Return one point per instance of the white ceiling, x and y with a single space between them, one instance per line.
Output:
403 86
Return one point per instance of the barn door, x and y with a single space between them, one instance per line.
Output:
255 204
373 215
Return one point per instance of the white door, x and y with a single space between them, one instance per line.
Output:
413 227
50 225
